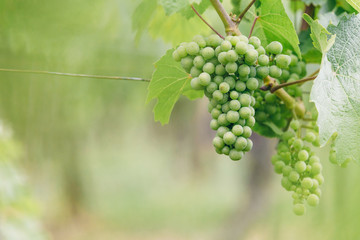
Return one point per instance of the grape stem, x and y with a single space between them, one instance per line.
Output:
297 106
277 87
242 14
76 75
230 27
253 25
197 13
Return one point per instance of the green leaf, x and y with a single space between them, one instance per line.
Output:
264 130
168 82
319 34
309 53
142 16
355 4
173 6
274 25
336 91
314 2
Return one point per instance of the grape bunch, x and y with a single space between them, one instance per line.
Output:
299 167
226 70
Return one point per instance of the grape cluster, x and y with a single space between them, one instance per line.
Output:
300 168
283 68
226 70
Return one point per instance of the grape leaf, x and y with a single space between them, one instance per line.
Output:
173 6
319 34
355 4
200 7
142 15
336 91
168 82
314 2
274 24
309 53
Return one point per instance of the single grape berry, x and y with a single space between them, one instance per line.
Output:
263 60
299 209
229 138
241 47
252 84
282 61
274 47
192 48
208 53
313 200
255 41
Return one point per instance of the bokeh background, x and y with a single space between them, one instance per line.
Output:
82 158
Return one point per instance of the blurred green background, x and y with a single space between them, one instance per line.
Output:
95 165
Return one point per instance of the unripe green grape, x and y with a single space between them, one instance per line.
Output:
225 150
224 87
307 183
187 63
240 143
220 69
244 70
235 155
195 72
295 124
250 122
310 137
218 142
286 170
234 40
294 77
218 80
274 71
226 46
217 95
274 47
205 79
275 158
300 166
241 47
247 132
225 107
217 51
287 135
215 113
221 131
263 60
303 155
232 116
214 40
231 81
271 109
234 95
222 58
261 50
285 74
240 86
315 184
298 144
251 56
316 168
218 150
313 200
255 41
252 72
317 192
243 38
278 166
232 56
245 112
209 68
199 40
294 176
299 209
282 61
234 105
176 56
222 120
214 125
208 53
294 60
231 67
229 138
199 62
249 145
212 87
285 182
181 51
192 48
195 84
245 100
296 69
262 72
252 84
224 99
237 130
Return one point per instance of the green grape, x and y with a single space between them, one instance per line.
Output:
261 50
298 144
222 58
313 200
234 40
247 132
245 100
199 62
252 84
232 116
263 60
244 70
310 137
226 46
285 74
303 155
218 80
307 183
231 81
300 167
240 143
234 105
195 72
220 70
237 130
229 138
241 47
176 56
224 87
316 168
199 40
294 60
274 71
187 63
208 53
262 72
212 87
299 209
221 131
232 56
218 142
296 69
217 95
250 121
214 125
215 113
214 40
234 95
294 176
252 72
286 170
225 150
295 124
245 112
222 120
251 56
282 61
204 79
225 107
240 86
249 145
192 48
285 182
195 84
278 166
235 155
231 67
181 51
274 47
255 41
209 68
